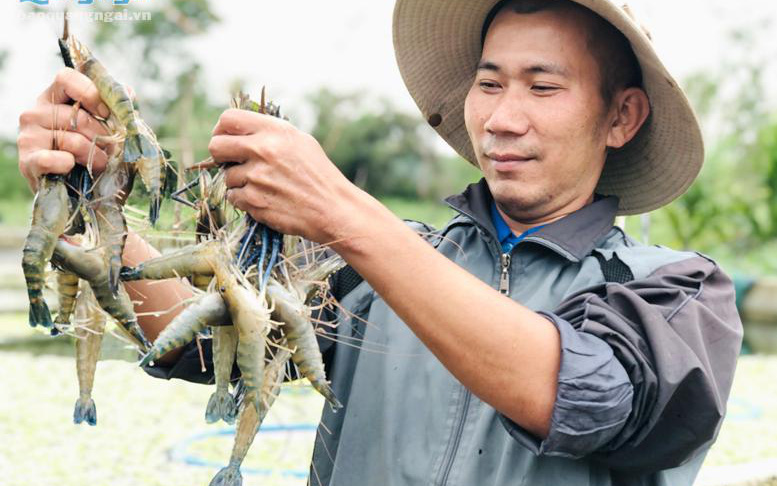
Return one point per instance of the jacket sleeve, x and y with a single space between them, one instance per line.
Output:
674 336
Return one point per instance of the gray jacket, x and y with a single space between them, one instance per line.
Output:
648 356
647 365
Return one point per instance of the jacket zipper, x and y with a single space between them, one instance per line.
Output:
448 465
504 277
504 288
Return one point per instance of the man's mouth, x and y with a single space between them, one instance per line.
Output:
505 161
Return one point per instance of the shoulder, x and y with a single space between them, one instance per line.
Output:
648 260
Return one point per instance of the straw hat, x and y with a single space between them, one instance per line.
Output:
438 45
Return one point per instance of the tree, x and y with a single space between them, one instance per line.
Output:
734 200
379 148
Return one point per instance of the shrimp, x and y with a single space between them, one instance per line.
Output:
89 333
248 309
91 267
251 419
148 156
140 145
206 310
49 218
312 279
251 318
210 211
210 219
67 289
290 309
114 183
221 405
210 216
188 261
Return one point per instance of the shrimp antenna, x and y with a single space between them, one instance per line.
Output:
65 29
63 48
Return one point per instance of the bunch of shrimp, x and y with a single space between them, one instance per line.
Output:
255 313
275 321
88 261
52 208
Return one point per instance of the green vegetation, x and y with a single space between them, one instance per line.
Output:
730 212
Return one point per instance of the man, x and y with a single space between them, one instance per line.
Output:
529 341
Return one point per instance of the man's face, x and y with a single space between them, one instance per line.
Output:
535 114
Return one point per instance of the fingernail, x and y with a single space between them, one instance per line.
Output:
104 111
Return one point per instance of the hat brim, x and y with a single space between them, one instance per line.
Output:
438 44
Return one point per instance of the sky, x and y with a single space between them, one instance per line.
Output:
296 46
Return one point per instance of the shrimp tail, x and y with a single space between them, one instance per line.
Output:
132 149
129 274
153 209
39 313
142 150
113 276
326 391
85 411
221 406
228 476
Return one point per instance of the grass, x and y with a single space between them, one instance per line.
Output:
15 212
433 213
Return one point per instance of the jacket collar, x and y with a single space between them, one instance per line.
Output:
573 236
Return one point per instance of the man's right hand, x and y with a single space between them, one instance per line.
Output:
47 126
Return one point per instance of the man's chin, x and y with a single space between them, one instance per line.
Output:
519 204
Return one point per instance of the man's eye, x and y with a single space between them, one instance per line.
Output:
544 88
489 85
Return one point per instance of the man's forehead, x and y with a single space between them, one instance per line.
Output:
523 46
530 67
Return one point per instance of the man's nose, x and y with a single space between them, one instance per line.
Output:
508 117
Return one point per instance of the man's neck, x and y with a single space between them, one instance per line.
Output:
520 227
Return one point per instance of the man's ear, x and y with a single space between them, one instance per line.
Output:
631 109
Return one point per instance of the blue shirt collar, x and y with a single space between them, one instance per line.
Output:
507 238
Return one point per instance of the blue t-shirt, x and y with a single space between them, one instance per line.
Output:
507 238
